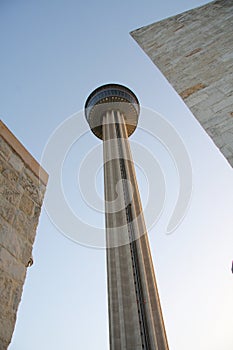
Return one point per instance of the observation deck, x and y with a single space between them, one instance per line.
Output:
111 97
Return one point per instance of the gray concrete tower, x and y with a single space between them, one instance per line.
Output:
135 316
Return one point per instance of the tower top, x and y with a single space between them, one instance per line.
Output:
111 97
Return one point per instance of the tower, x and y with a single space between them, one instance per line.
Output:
135 316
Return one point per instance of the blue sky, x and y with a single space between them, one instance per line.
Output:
53 54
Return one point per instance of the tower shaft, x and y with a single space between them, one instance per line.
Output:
135 316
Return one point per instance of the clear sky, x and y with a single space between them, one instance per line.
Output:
53 54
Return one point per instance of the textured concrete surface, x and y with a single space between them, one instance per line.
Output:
21 196
135 316
194 50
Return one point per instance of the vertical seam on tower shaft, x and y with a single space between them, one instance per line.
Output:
106 134
136 272
116 253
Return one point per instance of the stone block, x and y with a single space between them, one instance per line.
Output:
21 223
191 90
16 162
202 115
195 99
17 245
26 205
9 191
5 149
228 137
10 174
10 240
226 87
193 52
7 321
227 151
228 101
3 164
6 286
218 140
32 188
213 96
7 210
16 296
230 159
3 344
26 252
227 57
26 226
11 266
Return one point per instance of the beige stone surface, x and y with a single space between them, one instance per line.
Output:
8 142
21 196
194 50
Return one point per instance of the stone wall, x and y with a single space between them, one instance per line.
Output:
21 196
194 50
